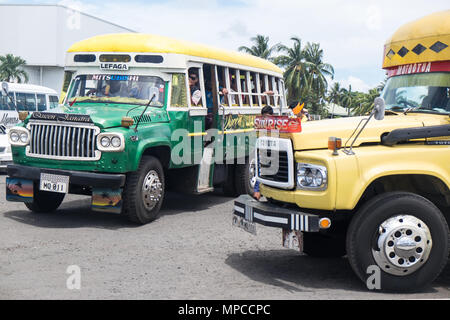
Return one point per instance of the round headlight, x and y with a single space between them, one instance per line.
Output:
24 137
311 176
116 142
318 178
14 136
105 142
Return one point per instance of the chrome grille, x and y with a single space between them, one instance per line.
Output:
282 168
63 141
275 161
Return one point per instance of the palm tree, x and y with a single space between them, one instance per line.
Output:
10 69
296 69
364 102
348 98
317 69
260 48
335 94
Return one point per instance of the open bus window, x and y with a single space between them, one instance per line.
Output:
195 92
244 88
121 89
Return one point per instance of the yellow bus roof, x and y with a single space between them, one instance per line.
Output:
424 40
138 42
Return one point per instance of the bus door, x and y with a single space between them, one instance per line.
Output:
201 155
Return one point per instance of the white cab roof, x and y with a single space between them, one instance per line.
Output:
31 88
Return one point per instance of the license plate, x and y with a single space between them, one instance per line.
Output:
293 240
244 224
54 183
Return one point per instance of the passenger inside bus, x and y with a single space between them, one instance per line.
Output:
196 94
112 88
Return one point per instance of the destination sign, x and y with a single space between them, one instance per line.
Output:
61 117
278 123
426 67
114 66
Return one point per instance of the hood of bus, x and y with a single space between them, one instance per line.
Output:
110 115
315 134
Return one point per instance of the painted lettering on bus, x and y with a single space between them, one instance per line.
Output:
279 123
114 77
114 66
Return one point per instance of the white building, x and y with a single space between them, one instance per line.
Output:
335 110
41 34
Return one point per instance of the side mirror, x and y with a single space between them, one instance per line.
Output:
153 91
379 108
5 88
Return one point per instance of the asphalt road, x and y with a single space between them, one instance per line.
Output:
191 252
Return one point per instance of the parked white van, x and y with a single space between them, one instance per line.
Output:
27 97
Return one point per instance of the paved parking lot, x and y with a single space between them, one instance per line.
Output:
191 252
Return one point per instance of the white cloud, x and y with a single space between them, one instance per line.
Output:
352 33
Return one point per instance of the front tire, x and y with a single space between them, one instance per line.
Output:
144 191
44 201
245 178
404 235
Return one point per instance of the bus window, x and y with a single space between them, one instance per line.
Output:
41 103
207 76
53 102
222 84
195 87
178 97
253 88
26 101
244 88
5 103
67 78
272 90
232 98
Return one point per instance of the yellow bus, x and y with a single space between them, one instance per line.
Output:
383 199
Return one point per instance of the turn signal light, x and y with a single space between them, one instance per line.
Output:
324 223
334 144
127 122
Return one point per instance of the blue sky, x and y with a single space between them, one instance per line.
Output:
351 32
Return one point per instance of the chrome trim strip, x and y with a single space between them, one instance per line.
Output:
98 155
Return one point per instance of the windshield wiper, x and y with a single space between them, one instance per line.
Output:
140 117
418 109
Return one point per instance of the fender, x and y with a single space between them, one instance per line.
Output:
369 164
147 144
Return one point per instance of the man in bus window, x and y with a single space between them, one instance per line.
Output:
196 94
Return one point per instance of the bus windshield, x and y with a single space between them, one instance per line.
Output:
428 92
122 89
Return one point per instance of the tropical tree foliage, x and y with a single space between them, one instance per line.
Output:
10 69
260 48
307 76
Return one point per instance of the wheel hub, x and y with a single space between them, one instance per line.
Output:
403 245
151 190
